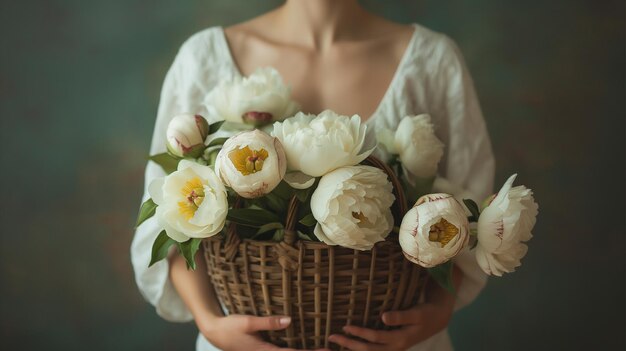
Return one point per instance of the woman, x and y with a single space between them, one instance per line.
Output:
336 56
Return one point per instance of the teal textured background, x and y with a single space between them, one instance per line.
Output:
79 85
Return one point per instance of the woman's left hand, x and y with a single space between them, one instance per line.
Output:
416 324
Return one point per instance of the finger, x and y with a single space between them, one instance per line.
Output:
375 336
396 318
276 348
254 324
355 345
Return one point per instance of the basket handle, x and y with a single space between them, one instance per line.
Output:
399 204
231 244
290 236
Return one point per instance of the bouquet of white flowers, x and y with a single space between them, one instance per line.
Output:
296 218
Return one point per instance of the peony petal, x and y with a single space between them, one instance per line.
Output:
352 207
299 180
155 189
261 181
416 225
176 235
262 91
316 145
319 233
482 260
504 191
164 218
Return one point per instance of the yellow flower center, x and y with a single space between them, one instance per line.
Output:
360 216
193 191
442 232
248 161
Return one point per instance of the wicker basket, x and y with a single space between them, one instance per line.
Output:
322 287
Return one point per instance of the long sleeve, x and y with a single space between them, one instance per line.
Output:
468 162
154 282
201 63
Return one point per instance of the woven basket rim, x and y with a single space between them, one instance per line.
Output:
308 243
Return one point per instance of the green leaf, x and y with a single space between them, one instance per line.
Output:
283 190
308 220
442 274
168 162
474 244
409 191
279 234
248 232
160 248
188 249
303 194
473 208
394 160
217 141
269 226
252 217
214 127
146 211
305 236
275 203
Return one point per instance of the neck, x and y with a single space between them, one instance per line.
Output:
320 23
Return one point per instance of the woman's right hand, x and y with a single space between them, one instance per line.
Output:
228 333
240 332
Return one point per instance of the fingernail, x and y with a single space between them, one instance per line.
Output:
284 321
332 338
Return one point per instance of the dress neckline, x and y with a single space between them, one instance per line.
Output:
386 96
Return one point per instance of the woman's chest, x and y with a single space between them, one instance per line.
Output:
347 85
348 79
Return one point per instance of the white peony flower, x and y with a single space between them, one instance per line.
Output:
186 134
191 202
258 99
352 206
416 144
316 145
252 163
503 226
435 230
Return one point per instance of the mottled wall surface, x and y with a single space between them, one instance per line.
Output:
79 84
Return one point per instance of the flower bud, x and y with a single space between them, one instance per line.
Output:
416 144
186 134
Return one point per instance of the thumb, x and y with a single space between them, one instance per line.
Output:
267 323
398 318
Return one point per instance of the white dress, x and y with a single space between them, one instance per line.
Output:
431 78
